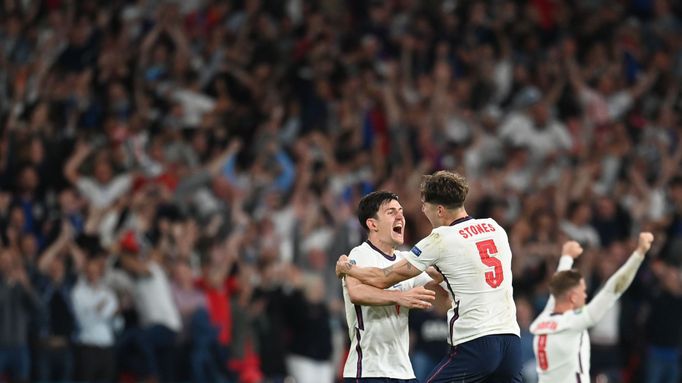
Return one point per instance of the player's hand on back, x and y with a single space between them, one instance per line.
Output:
645 239
342 266
417 298
572 249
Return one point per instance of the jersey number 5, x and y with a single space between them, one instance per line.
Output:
485 249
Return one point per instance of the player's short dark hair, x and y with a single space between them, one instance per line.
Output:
369 205
563 281
445 188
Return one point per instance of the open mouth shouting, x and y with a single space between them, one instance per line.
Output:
398 229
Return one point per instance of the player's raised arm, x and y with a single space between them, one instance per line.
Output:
373 276
569 252
362 294
620 281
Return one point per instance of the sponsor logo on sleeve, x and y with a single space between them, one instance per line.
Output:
415 250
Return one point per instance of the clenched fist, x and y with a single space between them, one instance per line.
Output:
343 265
645 239
572 249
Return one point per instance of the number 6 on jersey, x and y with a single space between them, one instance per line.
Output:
487 248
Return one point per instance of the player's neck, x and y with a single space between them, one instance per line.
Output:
562 307
451 216
385 247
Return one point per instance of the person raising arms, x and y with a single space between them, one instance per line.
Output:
561 342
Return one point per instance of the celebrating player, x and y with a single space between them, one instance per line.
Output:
561 342
377 319
474 257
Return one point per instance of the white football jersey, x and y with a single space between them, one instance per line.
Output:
475 258
379 335
562 342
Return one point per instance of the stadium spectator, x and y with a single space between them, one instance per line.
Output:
59 266
19 303
663 331
159 319
218 287
310 352
94 306
199 338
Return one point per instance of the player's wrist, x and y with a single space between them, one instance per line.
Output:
396 297
349 269
344 268
566 259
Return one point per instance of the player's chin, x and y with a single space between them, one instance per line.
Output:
398 238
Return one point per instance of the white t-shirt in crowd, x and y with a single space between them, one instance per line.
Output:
154 299
94 308
103 195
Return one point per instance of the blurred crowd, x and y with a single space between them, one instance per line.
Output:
177 178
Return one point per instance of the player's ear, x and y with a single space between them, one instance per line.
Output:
371 224
573 297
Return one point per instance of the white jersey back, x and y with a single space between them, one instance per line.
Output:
561 342
562 346
475 258
379 334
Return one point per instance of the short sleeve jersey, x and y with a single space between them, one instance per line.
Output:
379 334
474 257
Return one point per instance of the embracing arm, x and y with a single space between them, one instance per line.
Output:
373 276
366 295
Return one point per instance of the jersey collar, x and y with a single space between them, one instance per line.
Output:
389 257
460 220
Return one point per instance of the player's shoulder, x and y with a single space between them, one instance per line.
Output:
569 315
434 236
360 249
490 226
361 253
429 243
485 224
549 323
546 324
401 254
489 221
